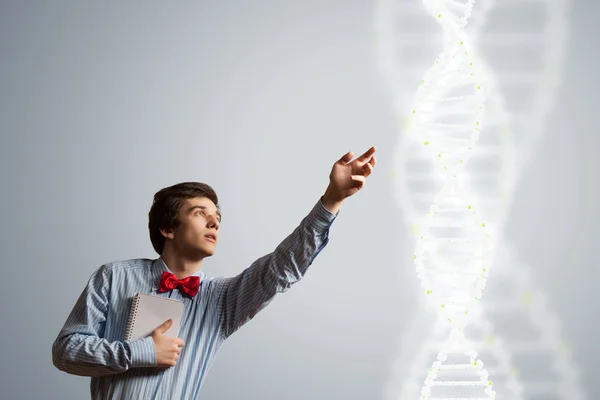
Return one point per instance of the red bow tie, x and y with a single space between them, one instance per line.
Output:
169 281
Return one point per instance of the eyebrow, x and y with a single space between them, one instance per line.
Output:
192 208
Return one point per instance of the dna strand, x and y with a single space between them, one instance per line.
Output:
535 364
452 253
497 357
416 184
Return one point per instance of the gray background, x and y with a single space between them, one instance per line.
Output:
104 103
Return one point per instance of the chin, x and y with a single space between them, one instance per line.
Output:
206 252
199 253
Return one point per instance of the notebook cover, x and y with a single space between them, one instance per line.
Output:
151 312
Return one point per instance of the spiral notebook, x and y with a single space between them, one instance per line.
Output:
148 312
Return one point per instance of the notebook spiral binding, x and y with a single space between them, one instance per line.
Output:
132 316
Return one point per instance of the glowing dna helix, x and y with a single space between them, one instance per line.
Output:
494 347
453 252
507 145
534 365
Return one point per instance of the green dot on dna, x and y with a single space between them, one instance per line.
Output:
439 15
428 291
426 143
565 348
469 206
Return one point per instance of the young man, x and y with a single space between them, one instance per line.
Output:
184 229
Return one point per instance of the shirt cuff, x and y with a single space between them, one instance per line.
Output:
320 217
324 213
143 353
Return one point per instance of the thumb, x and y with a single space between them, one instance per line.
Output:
164 327
346 158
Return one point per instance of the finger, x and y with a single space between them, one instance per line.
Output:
179 342
346 158
369 166
164 327
367 154
359 180
373 161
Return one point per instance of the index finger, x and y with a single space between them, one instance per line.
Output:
179 342
367 154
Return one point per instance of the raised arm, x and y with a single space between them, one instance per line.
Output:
80 348
243 296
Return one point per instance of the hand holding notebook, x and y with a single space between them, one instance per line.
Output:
168 349
159 317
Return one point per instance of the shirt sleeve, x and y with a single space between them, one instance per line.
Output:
80 348
243 296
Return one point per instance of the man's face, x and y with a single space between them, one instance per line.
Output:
198 218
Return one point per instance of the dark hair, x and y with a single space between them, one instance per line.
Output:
166 205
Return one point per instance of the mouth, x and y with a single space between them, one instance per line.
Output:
210 239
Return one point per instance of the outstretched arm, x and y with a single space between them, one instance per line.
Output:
243 296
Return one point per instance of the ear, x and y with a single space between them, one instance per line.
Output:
168 233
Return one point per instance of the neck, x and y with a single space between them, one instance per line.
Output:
180 265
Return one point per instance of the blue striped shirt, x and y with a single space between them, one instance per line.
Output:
91 343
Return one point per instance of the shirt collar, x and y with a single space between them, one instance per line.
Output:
159 266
